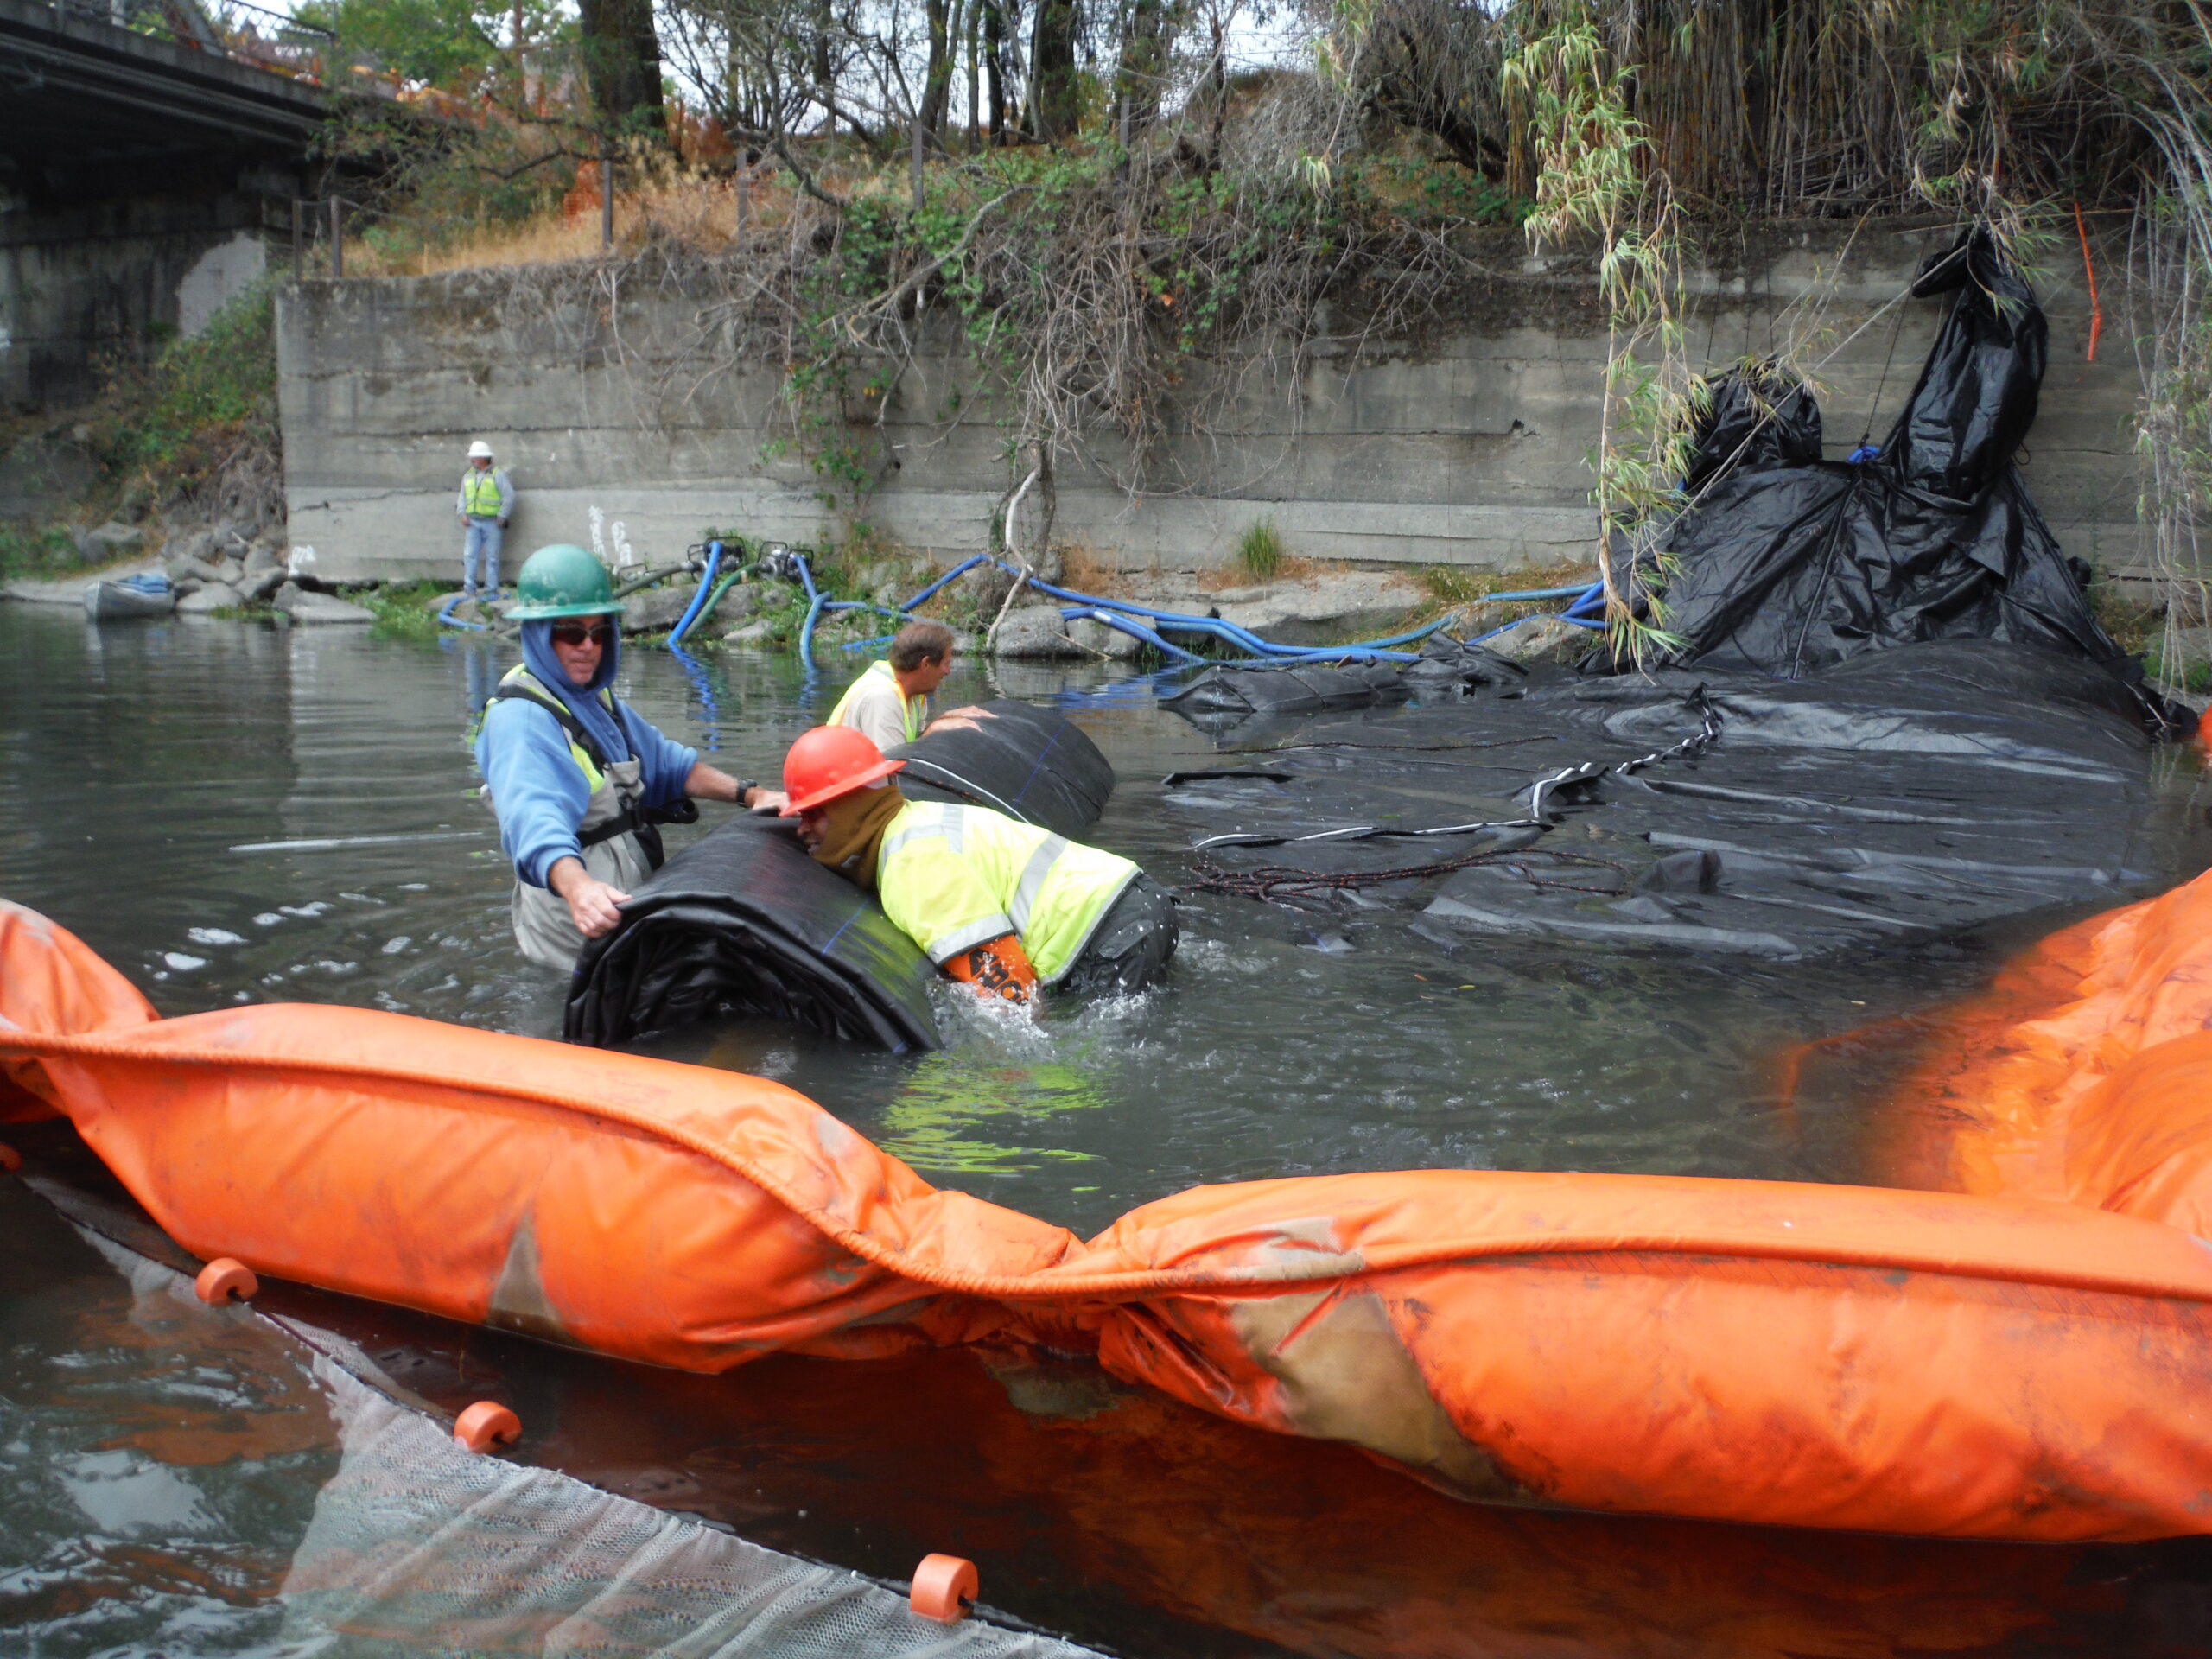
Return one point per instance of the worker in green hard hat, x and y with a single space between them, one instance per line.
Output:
580 782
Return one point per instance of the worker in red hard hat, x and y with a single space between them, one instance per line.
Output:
1003 905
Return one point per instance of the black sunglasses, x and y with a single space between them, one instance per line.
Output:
575 634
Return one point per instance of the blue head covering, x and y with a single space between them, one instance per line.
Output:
581 701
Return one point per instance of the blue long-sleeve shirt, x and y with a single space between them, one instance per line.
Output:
539 791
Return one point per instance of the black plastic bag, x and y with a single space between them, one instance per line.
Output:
1787 563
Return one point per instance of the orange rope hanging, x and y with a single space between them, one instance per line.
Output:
2089 270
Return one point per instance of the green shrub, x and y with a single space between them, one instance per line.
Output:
403 612
28 552
186 411
1260 551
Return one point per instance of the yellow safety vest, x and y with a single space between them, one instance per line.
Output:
519 681
480 492
912 710
952 876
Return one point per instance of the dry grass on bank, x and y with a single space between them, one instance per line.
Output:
693 210
1085 572
1291 567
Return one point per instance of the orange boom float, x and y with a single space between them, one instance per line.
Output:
1966 1365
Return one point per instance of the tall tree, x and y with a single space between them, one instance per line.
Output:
937 78
1056 99
622 60
994 67
1138 81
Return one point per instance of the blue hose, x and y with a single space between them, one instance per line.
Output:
446 616
1134 630
1372 648
1591 603
960 569
1576 592
1093 608
1586 612
698 600
695 671
814 603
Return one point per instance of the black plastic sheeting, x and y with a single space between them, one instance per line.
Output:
743 922
1787 563
1237 691
1027 762
1897 796
1461 666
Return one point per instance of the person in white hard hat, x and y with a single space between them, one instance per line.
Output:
487 504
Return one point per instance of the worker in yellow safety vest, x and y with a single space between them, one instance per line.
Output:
487 506
1004 905
889 704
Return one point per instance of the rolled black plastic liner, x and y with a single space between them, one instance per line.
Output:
744 922
1236 692
1027 762
1787 563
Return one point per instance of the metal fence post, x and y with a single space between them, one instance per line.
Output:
299 267
337 238
605 191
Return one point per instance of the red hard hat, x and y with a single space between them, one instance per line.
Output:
829 761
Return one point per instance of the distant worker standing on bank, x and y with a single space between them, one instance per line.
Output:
890 703
1003 905
580 782
487 506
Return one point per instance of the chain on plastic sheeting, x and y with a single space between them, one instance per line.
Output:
1276 882
419 1546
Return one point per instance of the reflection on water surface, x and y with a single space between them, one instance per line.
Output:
160 1485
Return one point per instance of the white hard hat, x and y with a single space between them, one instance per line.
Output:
480 450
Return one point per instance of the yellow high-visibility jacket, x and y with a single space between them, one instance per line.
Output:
879 689
953 876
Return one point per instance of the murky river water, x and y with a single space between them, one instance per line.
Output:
231 813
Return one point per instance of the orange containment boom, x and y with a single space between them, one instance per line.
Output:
1967 1366
2083 1075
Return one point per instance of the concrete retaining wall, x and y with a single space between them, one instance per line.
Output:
1466 446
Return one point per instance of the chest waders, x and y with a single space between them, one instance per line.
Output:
619 836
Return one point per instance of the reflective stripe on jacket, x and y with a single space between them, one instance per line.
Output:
953 876
912 711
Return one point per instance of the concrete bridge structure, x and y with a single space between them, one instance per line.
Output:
145 157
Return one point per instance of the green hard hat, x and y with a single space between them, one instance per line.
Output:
563 581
